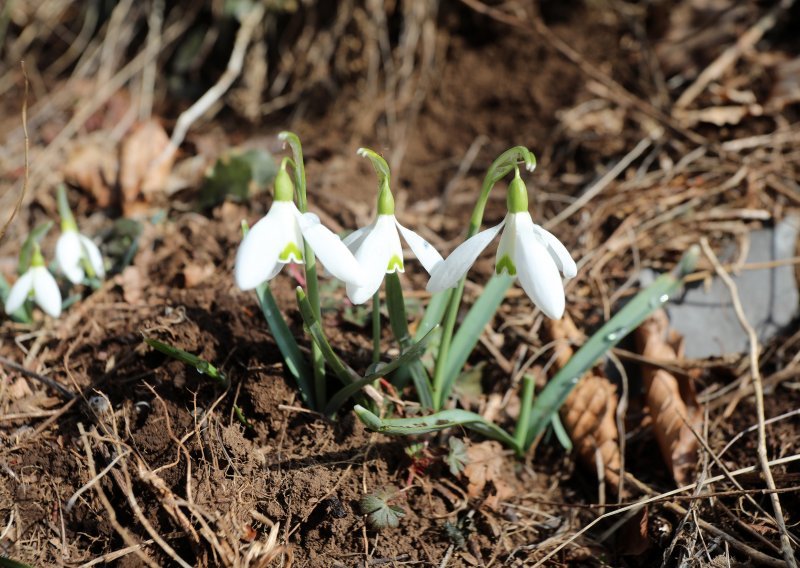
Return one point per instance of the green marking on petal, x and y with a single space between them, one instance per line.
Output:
506 264
395 264
290 251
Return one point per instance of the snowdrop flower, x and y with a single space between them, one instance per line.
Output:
36 282
377 247
278 239
75 253
526 251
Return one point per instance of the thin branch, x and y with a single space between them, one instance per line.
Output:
232 72
18 204
755 371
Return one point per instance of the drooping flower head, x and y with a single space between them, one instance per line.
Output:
526 251
76 255
280 236
377 246
38 283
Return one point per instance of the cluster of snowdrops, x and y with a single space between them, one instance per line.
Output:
363 260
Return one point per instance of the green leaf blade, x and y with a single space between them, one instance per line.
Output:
468 334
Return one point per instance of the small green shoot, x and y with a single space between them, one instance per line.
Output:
201 365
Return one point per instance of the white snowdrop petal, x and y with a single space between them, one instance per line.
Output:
19 292
448 272
559 252
330 250
373 255
354 239
45 291
422 249
95 258
257 256
68 256
508 242
538 273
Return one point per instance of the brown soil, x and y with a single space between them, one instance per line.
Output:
209 487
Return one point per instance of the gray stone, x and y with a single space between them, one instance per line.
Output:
706 318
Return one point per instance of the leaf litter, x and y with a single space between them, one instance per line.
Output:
231 497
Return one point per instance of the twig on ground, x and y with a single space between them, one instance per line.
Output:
5 362
233 70
728 57
126 536
155 20
600 184
661 498
755 371
21 197
72 500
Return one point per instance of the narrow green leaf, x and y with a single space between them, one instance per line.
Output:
434 312
345 374
560 432
468 334
287 344
526 405
203 367
6 562
239 413
34 238
433 423
395 303
626 320
413 353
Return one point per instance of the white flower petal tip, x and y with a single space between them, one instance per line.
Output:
377 251
72 250
537 270
447 273
40 283
362 152
427 254
46 292
258 258
530 166
19 292
95 258
558 252
331 251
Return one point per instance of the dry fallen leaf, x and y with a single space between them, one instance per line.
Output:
132 285
92 165
194 274
142 173
485 464
589 413
672 401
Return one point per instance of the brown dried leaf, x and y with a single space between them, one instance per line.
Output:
195 274
589 416
589 413
132 285
93 166
142 174
484 465
671 401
